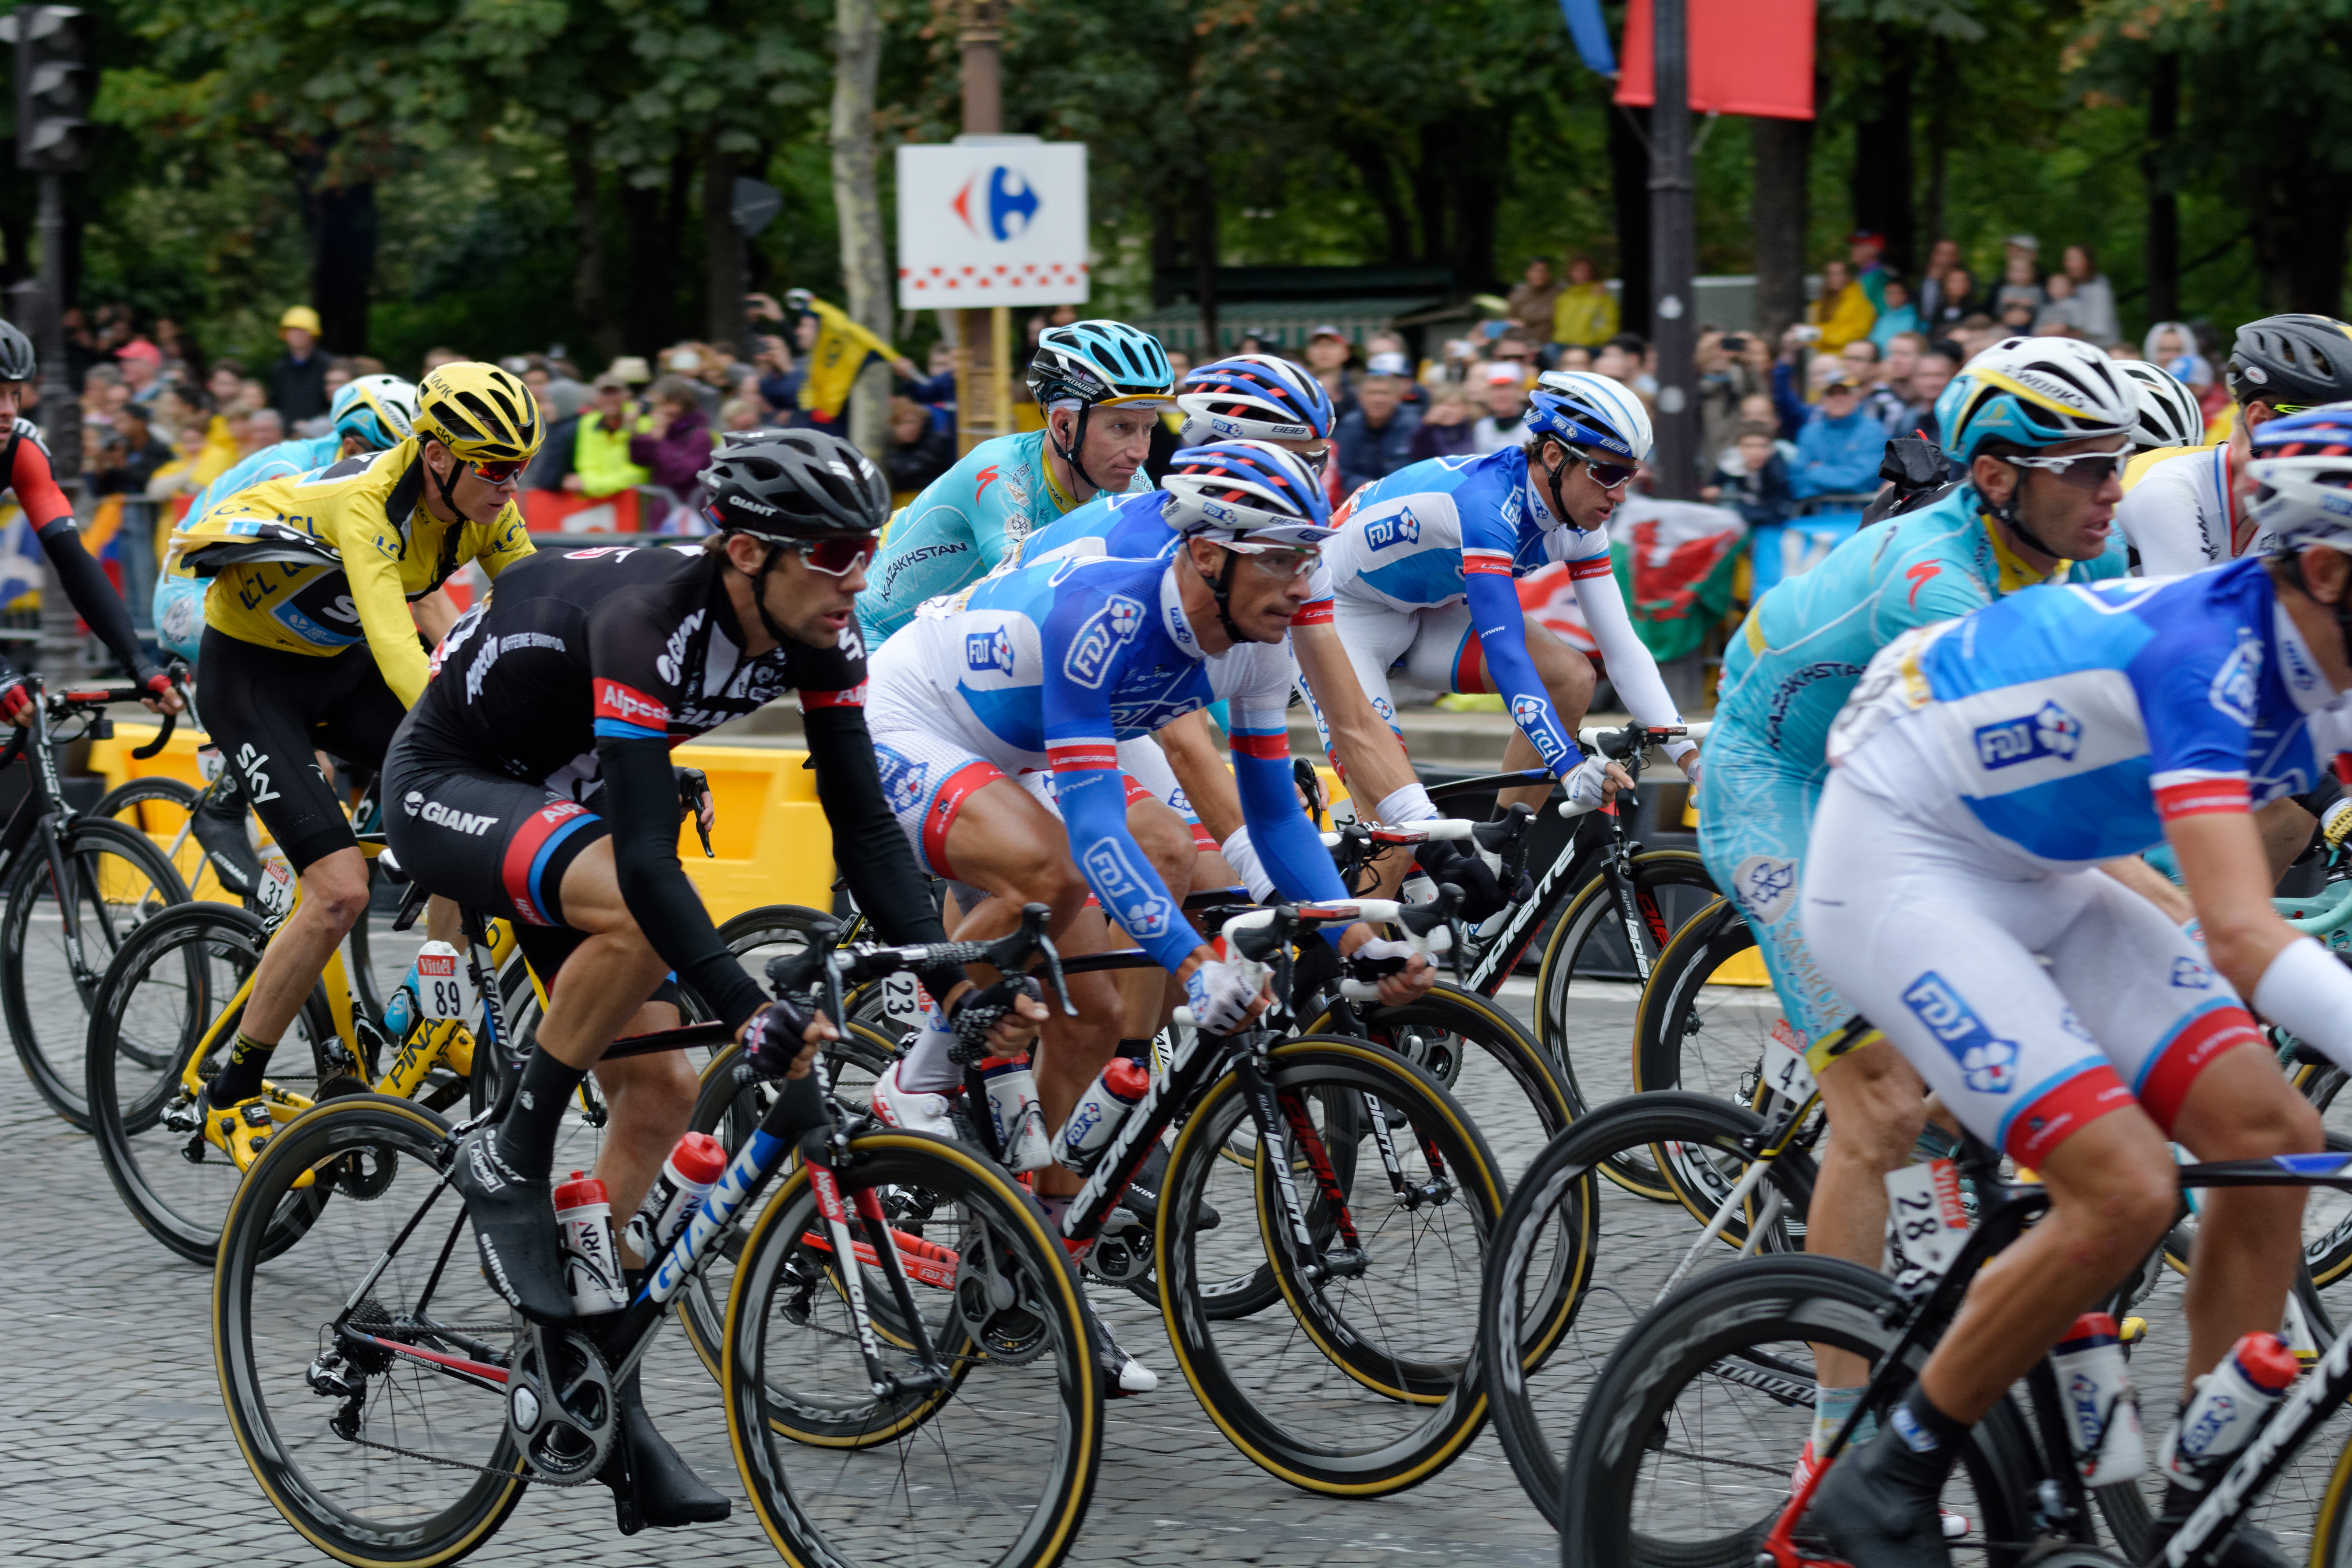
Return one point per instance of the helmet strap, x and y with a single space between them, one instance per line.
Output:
2005 512
448 486
759 595
1221 589
1069 453
1551 479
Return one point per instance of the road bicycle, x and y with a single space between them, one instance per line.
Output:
1712 1392
898 1291
73 888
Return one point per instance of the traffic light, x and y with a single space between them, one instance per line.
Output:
54 81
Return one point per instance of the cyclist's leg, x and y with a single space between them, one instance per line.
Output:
264 707
1754 812
2203 1073
1448 657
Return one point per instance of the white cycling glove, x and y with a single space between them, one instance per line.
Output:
1242 856
1377 950
1586 787
1697 764
1220 994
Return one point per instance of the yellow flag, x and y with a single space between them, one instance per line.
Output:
833 363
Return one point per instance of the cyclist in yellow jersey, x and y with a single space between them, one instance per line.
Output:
309 646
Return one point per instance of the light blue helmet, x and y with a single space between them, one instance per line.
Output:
1101 362
381 410
1586 410
2035 391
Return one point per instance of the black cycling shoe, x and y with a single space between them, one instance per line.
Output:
651 1485
1142 1193
2247 1547
514 1228
1876 1510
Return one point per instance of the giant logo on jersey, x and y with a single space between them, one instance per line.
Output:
1100 637
902 778
1127 894
1402 528
1987 1065
985 651
2238 683
2050 733
1533 716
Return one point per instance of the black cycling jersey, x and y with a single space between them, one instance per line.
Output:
582 668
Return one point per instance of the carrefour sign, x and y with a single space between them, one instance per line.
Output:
997 223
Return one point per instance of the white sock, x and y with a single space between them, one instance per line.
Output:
927 1068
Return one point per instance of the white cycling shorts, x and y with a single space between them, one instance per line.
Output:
1437 650
1945 950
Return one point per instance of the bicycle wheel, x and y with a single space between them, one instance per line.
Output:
1366 1386
1703 1020
163 809
157 1006
1577 1261
995 1468
1589 958
1682 1456
377 1458
728 1109
55 950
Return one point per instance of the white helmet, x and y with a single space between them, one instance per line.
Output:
381 410
2169 413
2040 391
1582 409
1253 397
1249 496
2301 465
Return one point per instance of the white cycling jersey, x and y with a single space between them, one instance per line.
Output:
2180 517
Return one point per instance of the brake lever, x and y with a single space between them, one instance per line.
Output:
693 784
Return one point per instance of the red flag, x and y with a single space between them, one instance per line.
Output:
1746 56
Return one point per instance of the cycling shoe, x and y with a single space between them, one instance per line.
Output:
2248 1547
1122 1373
514 1229
1142 1194
647 1476
1874 1512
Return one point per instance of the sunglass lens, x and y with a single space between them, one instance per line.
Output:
839 557
497 473
1608 476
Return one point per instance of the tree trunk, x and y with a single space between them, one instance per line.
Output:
1167 248
1431 172
16 204
2163 201
1377 172
342 267
722 251
1202 240
1780 210
2299 239
1629 185
1942 87
856 198
1882 153
588 263
1477 197
655 217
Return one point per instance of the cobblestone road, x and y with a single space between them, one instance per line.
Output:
116 1450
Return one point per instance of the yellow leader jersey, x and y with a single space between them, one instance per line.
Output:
312 563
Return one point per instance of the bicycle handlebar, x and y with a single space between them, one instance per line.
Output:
1429 830
1259 935
1008 954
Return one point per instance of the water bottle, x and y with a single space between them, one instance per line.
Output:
2102 1407
1012 1108
686 1179
2229 1404
592 1263
1094 1121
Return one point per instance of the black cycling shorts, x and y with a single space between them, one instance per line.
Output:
269 711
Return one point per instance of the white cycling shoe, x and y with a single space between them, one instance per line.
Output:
917 1111
1128 1375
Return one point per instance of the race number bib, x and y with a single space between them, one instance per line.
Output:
1784 1069
1927 1223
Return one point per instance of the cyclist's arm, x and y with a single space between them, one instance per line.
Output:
1192 757
94 599
2290 978
2160 518
1288 845
1633 668
371 566
1369 755
868 846
641 805
1502 630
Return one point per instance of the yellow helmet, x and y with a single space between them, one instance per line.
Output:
479 412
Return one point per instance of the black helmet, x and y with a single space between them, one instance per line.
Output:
16 358
786 485
2292 360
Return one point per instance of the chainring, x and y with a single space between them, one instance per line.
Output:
560 1409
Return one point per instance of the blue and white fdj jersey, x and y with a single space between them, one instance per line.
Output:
2068 726
1050 667
1461 531
961 528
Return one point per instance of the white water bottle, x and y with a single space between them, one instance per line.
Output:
1095 1119
591 1262
2102 1407
1014 1110
2229 1404
686 1179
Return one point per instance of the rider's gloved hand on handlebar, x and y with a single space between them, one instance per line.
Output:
1401 974
163 696
999 1020
1222 996
781 1039
1593 784
15 701
1482 893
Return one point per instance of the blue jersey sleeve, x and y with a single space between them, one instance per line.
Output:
1286 843
1494 601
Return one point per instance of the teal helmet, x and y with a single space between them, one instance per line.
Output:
381 410
2035 391
1098 364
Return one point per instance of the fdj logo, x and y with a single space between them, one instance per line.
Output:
1533 716
988 650
1402 528
2237 682
2052 733
1988 1066
1098 637
1130 900
902 777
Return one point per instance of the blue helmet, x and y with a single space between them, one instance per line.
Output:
2035 391
1100 362
1254 397
2301 467
1584 410
1247 494
381 410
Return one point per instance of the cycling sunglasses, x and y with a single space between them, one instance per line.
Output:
497 473
2087 472
835 557
1608 475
